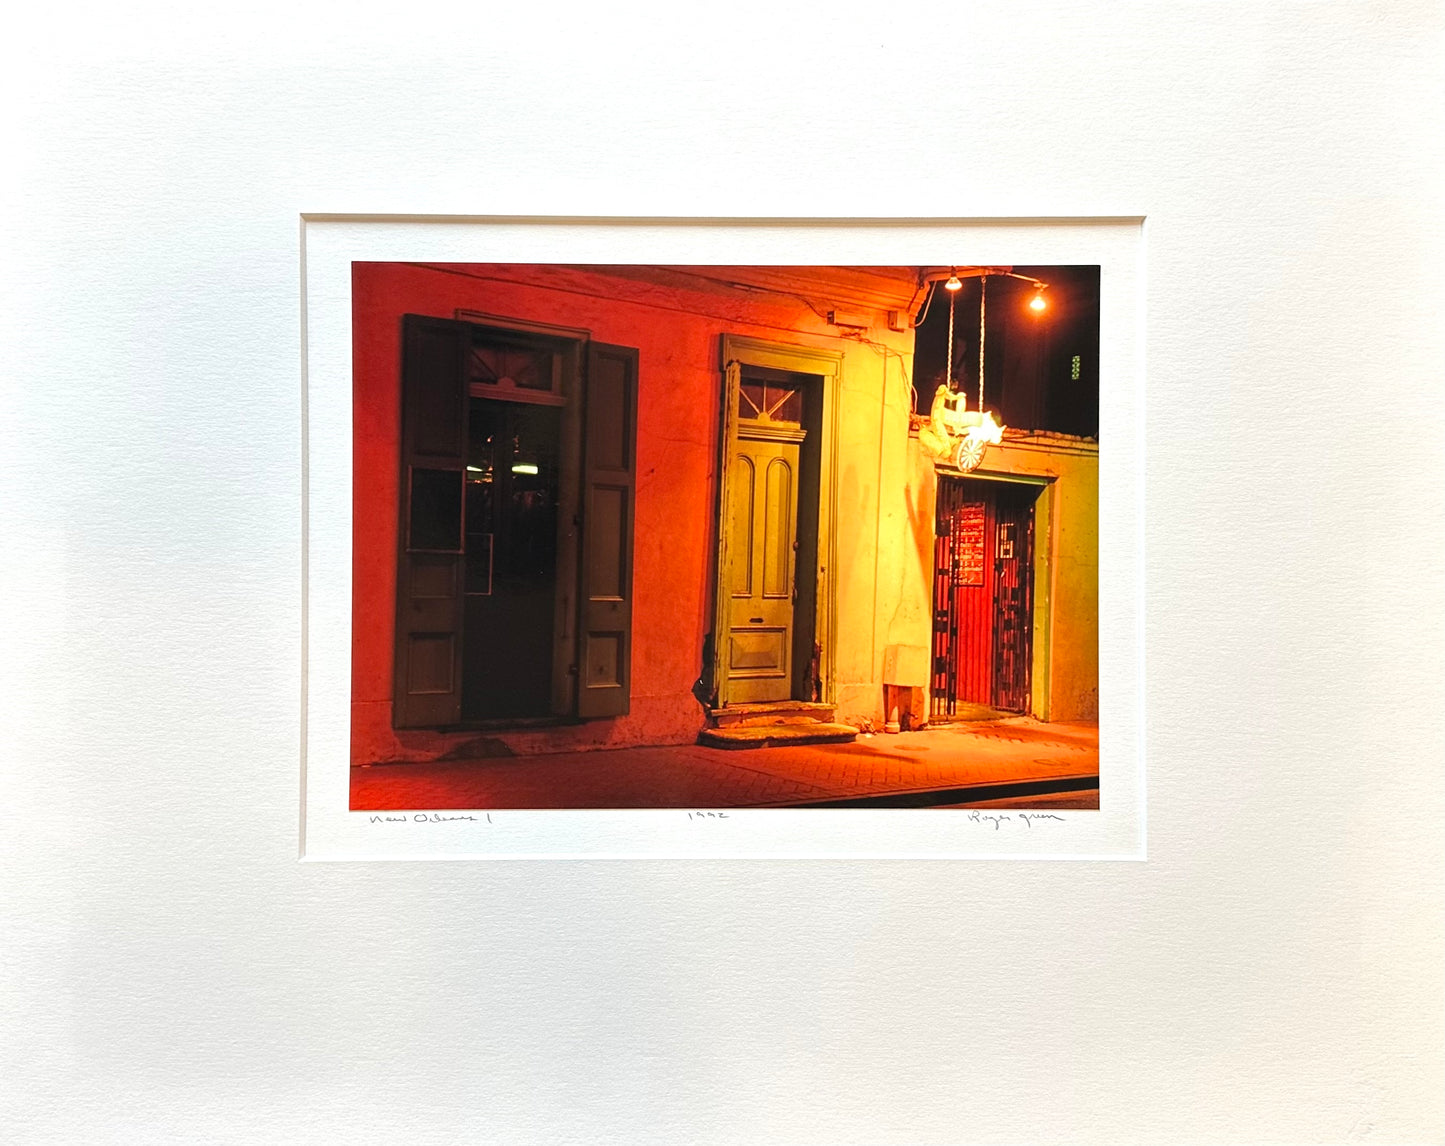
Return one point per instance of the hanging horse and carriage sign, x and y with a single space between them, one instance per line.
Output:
955 435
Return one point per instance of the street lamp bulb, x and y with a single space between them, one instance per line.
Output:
1037 302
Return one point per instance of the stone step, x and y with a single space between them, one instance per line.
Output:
776 735
771 712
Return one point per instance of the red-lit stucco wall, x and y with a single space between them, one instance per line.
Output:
676 333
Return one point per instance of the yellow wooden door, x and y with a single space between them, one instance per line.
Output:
763 549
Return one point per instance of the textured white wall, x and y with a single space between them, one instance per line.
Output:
171 973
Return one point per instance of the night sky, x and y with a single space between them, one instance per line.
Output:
1032 381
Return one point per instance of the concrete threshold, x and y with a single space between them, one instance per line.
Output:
777 735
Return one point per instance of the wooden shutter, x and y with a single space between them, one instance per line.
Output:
609 471
427 684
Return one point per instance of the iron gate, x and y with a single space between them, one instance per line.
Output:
982 596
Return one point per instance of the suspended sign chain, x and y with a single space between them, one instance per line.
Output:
982 294
949 379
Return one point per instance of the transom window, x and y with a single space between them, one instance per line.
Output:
770 396
519 371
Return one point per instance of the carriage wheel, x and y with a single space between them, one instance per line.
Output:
969 453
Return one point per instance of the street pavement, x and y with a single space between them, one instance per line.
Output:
995 763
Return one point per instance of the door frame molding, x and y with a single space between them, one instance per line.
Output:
736 352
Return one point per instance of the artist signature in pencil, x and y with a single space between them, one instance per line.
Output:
428 818
998 818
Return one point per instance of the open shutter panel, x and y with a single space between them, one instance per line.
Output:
609 472
427 686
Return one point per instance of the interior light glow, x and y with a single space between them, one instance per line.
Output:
474 469
524 468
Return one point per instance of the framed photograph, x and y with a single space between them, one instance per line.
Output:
666 557
481 490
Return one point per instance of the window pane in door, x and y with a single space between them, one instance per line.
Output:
435 511
785 404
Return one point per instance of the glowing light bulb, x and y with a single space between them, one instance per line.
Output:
953 283
1037 302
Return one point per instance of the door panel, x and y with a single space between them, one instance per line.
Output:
757 651
779 531
427 669
762 550
1013 612
963 612
609 470
744 495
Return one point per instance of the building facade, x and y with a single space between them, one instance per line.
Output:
594 506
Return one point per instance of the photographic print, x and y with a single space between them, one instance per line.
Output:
645 536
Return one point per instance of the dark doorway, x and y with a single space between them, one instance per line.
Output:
514 564
982 597
513 486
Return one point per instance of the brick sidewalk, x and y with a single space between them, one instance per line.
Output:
947 761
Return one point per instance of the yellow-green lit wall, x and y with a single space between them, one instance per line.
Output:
881 596
886 562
